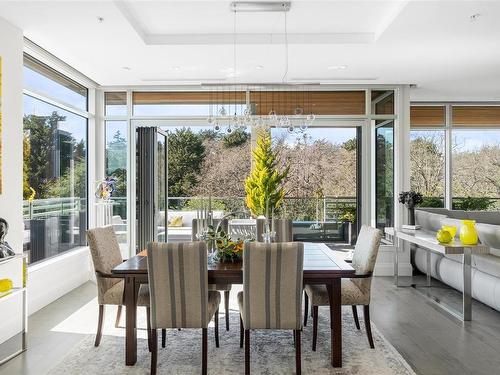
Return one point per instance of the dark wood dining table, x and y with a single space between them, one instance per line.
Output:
321 266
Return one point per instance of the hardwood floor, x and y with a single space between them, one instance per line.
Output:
429 339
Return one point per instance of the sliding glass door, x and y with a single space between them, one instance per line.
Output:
384 173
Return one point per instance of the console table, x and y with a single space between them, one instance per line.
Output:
427 240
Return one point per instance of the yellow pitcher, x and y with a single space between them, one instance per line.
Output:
468 233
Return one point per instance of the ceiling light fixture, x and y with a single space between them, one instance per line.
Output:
256 6
259 67
337 67
474 17
100 19
175 67
126 68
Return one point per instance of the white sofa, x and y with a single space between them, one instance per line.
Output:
183 233
448 269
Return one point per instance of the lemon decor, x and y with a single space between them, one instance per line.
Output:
443 236
264 186
5 285
450 228
468 233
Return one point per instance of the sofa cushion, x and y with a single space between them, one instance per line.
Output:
428 220
487 263
486 217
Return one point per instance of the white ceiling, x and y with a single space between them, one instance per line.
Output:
433 44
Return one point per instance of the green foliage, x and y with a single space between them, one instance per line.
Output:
39 169
264 186
195 204
236 138
473 203
433 202
185 156
350 144
73 183
26 167
347 213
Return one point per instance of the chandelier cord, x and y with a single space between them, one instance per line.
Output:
286 49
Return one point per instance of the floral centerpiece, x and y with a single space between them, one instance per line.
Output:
226 249
410 199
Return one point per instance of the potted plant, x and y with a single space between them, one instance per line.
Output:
410 199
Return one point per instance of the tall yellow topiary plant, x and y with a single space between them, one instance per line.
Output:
264 186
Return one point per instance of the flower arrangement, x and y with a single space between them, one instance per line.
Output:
227 249
411 199
105 188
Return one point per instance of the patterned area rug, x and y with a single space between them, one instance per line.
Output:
272 352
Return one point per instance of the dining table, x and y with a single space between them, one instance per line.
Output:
322 265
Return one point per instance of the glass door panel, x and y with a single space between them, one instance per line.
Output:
384 173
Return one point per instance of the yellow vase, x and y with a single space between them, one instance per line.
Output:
468 233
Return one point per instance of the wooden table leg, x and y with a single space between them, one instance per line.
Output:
130 299
334 296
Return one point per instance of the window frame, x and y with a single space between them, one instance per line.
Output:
85 114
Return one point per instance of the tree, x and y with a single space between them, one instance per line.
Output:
186 153
236 138
41 133
26 166
116 163
427 164
264 185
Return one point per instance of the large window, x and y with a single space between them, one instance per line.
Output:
55 163
384 173
116 167
427 164
322 181
476 169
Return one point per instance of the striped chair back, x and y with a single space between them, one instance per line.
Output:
365 255
178 284
272 285
106 255
194 227
282 227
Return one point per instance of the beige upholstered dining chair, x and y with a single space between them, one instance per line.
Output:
356 290
106 255
178 283
272 292
282 227
226 288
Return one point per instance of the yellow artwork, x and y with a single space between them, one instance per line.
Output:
0 125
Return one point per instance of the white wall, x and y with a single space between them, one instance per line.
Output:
11 52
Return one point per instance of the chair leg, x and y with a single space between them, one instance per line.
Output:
99 326
148 325
118 316
154 351
306 308
298 353
204 349
355 314
226 306
217 328
315 327
241 332
247 352
163 337
368 326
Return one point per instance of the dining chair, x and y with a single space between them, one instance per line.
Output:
282 227
226 288
272 292
356 290
179 295
106 255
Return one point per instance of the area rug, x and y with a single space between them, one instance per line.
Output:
272 352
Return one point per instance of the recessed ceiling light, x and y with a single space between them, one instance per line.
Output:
337 67
126 68
100 19
474 17
175 67
259 67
